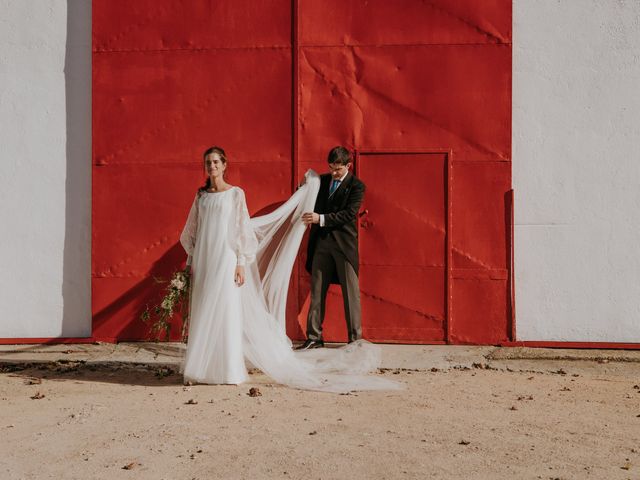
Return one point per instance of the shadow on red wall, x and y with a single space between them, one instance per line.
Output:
120 319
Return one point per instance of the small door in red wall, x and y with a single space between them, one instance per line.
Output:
403 226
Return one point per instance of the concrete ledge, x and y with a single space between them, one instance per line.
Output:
528 353
404 357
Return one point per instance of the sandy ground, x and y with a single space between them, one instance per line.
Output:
557 420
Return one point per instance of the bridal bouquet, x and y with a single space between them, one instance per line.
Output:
175 300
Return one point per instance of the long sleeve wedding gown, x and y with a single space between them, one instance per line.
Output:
229 324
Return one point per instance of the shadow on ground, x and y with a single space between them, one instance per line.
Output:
144 375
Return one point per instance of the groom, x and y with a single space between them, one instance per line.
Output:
332 254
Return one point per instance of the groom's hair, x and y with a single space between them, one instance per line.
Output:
339 155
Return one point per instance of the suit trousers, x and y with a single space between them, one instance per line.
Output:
328 260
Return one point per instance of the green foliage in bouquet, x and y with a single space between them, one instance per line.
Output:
175 300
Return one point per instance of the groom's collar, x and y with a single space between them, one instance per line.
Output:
341 179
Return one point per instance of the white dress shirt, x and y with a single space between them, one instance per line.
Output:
340 180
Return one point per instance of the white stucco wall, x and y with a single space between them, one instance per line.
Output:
45 168
576 140
576 169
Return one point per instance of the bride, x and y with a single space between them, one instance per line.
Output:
240 276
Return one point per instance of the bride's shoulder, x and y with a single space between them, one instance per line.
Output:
237 191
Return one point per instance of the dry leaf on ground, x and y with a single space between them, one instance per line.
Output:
254 392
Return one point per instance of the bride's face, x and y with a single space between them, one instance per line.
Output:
214 165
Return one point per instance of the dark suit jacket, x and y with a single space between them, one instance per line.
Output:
340 217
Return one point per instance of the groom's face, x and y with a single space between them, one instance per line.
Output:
338 170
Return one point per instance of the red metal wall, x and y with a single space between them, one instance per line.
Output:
277 84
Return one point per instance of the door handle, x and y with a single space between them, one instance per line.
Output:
364 222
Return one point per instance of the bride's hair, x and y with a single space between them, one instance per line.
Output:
223 159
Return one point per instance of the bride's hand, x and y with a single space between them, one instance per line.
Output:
239 275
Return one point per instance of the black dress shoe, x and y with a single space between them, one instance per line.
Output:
309 344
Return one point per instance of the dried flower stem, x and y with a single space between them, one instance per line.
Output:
175 299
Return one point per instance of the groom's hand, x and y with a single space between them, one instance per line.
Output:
310 217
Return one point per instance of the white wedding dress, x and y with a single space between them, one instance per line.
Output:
229 324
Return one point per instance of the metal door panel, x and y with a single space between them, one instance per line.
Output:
403 246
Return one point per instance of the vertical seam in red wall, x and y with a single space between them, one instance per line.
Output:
449 256
294 94
93 179
294 131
